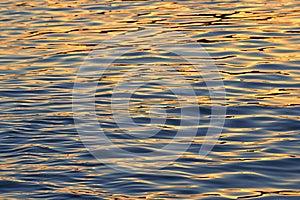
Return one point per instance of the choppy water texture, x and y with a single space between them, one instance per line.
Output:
255 45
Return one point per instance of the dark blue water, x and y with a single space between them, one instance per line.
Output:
253 44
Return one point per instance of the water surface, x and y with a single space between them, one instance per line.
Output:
254 44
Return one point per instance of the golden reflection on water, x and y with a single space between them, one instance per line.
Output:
254 44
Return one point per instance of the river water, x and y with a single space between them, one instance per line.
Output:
253 44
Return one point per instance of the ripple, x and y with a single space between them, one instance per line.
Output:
253 44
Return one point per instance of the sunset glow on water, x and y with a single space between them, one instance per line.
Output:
173 60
